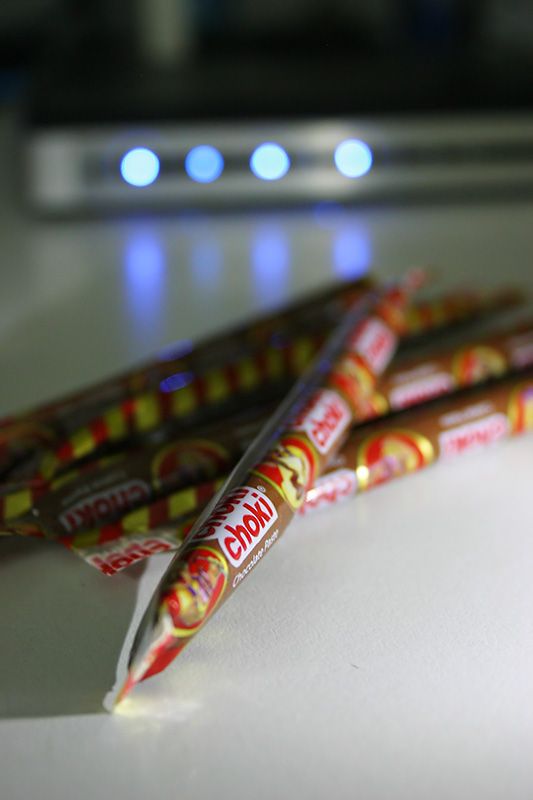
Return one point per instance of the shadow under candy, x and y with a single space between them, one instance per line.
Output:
62 628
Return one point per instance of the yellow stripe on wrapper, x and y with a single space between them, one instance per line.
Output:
248 373
17 503
274 363
183 401
138 520
116 424
301 353
58 483
182 502
217 386
82 443
146 412
49 465
413 320
84 539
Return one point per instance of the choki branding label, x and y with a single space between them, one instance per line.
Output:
324 418
239 523
375 342
103 505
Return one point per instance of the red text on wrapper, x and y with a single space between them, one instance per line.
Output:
110 560
375 342
473 434
103 505
239 523
324 418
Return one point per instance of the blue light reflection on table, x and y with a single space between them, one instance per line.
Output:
351 253
206 263
270 259
199 260
145 284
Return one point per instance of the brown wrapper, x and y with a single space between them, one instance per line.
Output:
132 542
317 310
412 440
101 492
373 454
265 491
416 380
97 495
59 423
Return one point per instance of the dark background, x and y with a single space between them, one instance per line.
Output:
106 60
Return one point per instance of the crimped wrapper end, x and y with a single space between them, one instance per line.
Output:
122 693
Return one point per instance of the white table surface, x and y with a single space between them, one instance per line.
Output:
384 650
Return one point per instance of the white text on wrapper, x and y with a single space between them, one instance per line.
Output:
419 391
324 418
473 434
375 342
96 507
330 489
239 523
255 559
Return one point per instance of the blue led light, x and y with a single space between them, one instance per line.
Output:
139 167
269 162
204 164
353 158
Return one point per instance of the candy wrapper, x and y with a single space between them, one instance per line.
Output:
218 371
268 485
125 509
227 546
91 510
317 312
407 442
492 357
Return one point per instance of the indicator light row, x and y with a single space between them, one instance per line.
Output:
268 162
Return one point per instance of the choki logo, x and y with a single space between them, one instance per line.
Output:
239 522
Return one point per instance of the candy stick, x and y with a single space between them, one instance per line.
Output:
179 401
156 528
300 320
187 395
100 490
111 549
314 310
416 379
101 493
268 485
66 415
429 316
410 382
381 451
373 455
